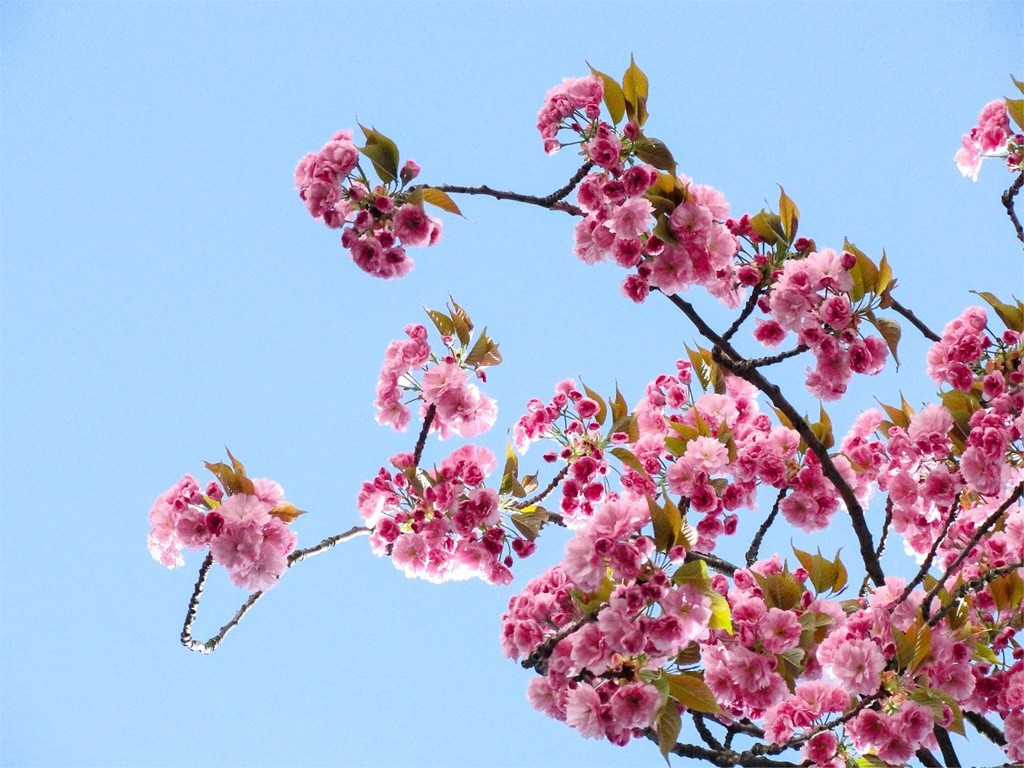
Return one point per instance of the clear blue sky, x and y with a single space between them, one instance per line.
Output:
165 294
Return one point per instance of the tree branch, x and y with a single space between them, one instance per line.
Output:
725 355
990 521
193 605
927 332
985 728
1007 199
755 545
551 202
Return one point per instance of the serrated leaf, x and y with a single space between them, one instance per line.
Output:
890 331
721 614
666 521
286 512
689 656
602 407
1012 316
529 521
780 590
768 227
634 91
655 152
1015 109
864 272
789 214
824 431
690 690
382 152
1007 592
896 415
694 572
510 473
441 321
884 278
676 446
440 199
667 723
613 97
930 697
619 407
484 352
463 325
922 646
1018 83
840 583
628 458
822 572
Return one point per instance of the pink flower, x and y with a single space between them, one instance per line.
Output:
583 711
857 664
412 225
633 705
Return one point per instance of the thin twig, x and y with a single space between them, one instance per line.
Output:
563 192
971 586
193 605
421 441
927 564
539 497
498 194
990 521
755 545
755 294
915 320
717 563
761 362
882 539
1007 199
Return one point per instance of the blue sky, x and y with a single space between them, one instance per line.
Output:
165 294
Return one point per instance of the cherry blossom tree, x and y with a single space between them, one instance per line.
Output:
650 626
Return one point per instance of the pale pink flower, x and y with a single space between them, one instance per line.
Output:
633 705
583 711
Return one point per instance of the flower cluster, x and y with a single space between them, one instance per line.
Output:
459 407
603 674
810 296
575 100
444 524
569 420
991 137
247 533
378 222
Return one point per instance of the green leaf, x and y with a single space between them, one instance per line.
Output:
1018 83
721 614
602 407
780 590
789 214
511 472
1007 592
441 321
529 521
935 699
1012 316
655 152
884 278
667 723
864 272
463 325
690 690
383 153
628 458
822 572
768 227
440 199
634 90
890 331
613 97
484 352
694 572
1015 109
667 521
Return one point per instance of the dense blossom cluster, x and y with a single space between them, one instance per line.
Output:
576 99
241 529
991 137
378 222
460 408
444 524
810 297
